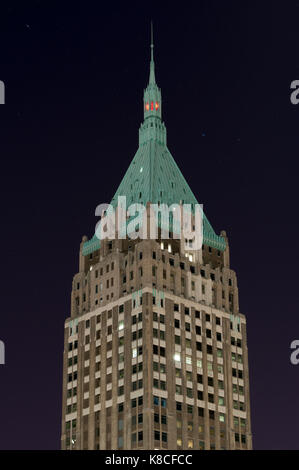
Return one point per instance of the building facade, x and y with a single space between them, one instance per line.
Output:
155 350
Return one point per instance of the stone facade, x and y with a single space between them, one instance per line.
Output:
155 353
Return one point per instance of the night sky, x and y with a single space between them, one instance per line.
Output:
74 74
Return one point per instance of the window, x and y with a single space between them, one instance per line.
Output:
198 330
190 426
190 443
177 357
177 339
188 360
219 353
157 435
156 401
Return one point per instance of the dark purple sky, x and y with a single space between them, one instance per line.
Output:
74 75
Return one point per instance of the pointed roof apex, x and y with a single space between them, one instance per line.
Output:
152 63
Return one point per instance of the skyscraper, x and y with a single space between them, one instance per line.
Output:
155 350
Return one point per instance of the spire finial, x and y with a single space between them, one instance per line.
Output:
152 64
152 43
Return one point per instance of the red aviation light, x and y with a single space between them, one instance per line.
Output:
152 106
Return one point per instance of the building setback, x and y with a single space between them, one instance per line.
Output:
155 351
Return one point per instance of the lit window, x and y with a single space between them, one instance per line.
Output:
152 105
179 442
162 245
177 357
199 363
121 325
134 352
147 106
169 248
221 401
188 360
157 105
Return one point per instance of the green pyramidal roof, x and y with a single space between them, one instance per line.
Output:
153 176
